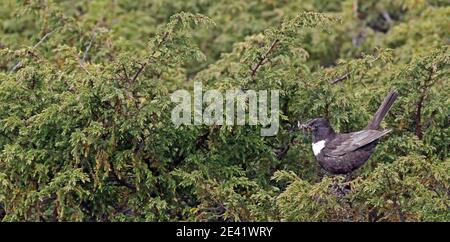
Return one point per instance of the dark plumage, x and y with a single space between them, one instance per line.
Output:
344 153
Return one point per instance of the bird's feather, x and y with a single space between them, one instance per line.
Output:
344 143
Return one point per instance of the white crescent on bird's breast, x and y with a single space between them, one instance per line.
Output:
318 146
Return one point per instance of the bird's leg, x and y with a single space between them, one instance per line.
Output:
341 188
348 177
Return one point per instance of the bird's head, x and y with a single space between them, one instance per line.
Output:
319 127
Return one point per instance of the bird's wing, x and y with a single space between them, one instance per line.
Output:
345 143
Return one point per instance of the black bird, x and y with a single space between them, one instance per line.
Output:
344 153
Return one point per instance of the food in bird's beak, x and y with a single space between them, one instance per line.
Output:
303 127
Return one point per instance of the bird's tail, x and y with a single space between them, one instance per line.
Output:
382 110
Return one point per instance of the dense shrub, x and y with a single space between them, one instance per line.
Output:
85 108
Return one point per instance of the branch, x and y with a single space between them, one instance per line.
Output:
136 75
2 212
423 94
120 181
71 87
339 79
355 9
44 38
283 152
396 204
87 49
386 16
143 65
201 140
439 195
19 64
263 58
83 67
125 72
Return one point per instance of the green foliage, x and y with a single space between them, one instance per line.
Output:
86 134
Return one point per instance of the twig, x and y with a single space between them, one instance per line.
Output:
143 65
355 9
43 38
120 181
87 49
283 152
19 64
166 35
386 16
423 95
396 204
83 67
138 72
125 72
439 196
339 79
263 58
93 35
2 211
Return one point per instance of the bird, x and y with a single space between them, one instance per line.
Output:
343 153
